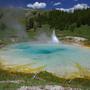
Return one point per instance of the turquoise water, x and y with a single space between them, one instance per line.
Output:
57 58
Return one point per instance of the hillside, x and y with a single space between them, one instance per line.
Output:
18 25
65 23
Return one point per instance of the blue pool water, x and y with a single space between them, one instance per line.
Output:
57 58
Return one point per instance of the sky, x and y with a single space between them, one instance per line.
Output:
46 4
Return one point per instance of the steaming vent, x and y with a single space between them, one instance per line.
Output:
55 40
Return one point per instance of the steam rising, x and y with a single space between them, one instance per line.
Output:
15 28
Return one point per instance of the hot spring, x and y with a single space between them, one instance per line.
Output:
58 58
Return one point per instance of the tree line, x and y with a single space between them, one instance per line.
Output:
58 19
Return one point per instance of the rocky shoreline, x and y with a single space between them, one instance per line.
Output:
77 41
47 87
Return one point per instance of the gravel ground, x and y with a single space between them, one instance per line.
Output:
47 87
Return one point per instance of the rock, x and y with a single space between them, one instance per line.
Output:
14 81
47 87
75 39
30 88
54 88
